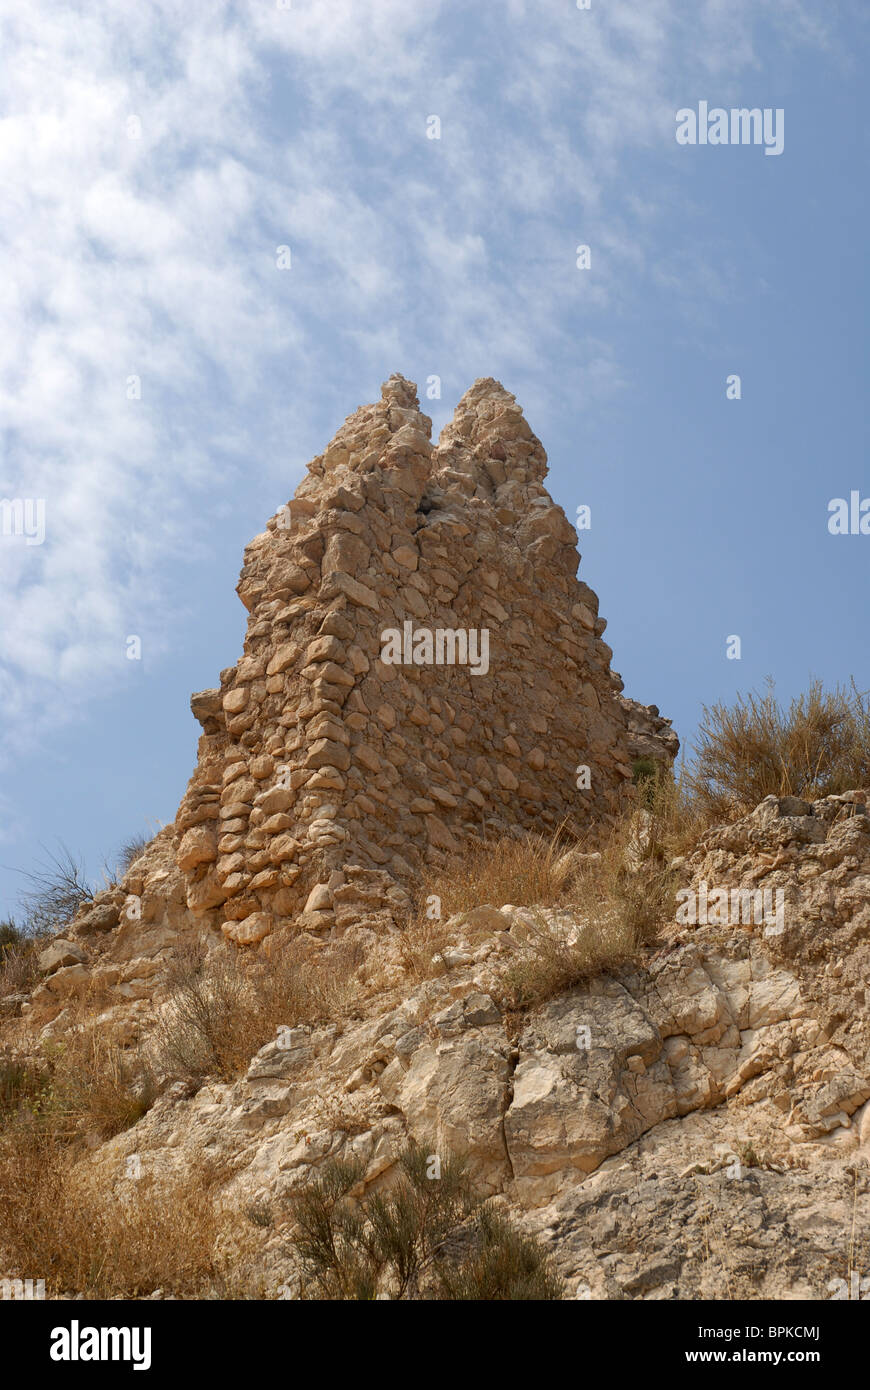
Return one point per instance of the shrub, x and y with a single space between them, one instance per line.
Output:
224 1006
84 1085
19 965
58 889
425 1238
677 817
503 1265
421 944
23 1086
645 770
9 935
818 746
130 851
97 1087
203 1028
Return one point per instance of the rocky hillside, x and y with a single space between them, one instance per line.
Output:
657 1065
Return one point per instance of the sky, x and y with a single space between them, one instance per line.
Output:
166 371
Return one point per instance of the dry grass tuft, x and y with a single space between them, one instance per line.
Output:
557 956
585 911
613 904
97 1086
224 1006
818 746
520 870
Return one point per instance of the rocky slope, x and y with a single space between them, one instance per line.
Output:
692 1124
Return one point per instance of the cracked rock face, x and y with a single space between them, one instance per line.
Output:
695 1126
663 1131
817 855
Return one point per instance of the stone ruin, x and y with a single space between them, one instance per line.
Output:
651 740
421 668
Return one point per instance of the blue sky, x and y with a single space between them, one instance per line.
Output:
153 158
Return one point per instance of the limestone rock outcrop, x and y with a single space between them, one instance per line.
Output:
695 1124
814 858
692 1124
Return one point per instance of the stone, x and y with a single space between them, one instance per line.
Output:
276 800
420 656
60 953
68 979
235 700
340 583
206 707
250 930
284 656
319 898
100 918
326 752
197 846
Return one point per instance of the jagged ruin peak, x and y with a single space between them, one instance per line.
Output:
650 736
421 667
487 421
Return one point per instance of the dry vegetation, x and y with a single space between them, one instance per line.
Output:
585 910
818 746
82 1229
19 963
83 1086
57 890
223 1006
64 1222
428 1237
621 894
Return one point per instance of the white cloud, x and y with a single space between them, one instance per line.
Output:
154 256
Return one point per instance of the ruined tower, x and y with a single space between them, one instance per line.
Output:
421 665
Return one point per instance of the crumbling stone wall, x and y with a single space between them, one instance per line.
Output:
328 775
650 736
